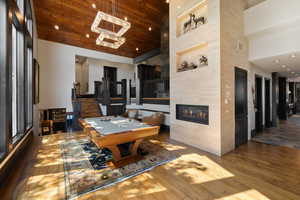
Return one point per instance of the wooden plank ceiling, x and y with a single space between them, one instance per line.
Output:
75 17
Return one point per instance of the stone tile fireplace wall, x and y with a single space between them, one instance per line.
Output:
200 86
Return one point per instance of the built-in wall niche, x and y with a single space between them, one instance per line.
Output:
192 58
192 18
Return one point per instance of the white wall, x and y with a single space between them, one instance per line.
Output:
271 44
271 14
272 28
57 71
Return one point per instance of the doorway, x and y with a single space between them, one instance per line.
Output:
110 74
241 107
282 104
258 105
268 103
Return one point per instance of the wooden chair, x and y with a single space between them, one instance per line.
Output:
47 127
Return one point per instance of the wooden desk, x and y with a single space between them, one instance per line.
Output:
111 141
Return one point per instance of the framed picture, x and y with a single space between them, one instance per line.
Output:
36 82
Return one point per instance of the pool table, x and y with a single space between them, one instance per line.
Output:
112 132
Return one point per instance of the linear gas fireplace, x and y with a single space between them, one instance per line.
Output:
193 113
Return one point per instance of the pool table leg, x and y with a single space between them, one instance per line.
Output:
117 154
135 147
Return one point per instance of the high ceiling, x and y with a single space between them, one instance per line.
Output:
75 17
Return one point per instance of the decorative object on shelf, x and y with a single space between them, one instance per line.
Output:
198 20
203 61
192 18
184 66
187 25
192 66
107 34
193 23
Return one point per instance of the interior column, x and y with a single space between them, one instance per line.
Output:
275 98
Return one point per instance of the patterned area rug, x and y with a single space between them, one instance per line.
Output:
283 138
287 134
86 170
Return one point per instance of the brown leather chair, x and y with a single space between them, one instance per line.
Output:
47 127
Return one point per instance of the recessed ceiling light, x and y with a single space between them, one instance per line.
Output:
178 7
150 28
167 1
283 66
125 18
277 61
94 5
293 55
137 49
87 35
56 27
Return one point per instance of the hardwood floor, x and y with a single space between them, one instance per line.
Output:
252 172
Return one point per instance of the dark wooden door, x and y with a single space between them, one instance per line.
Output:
241 107
110 73
267 103
282 105
258 105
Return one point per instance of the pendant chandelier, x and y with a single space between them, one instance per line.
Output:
115 38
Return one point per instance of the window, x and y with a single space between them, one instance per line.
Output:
16 100
21 85
28 89
29 25
3 79
14 54
17 75
28 67
20 4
